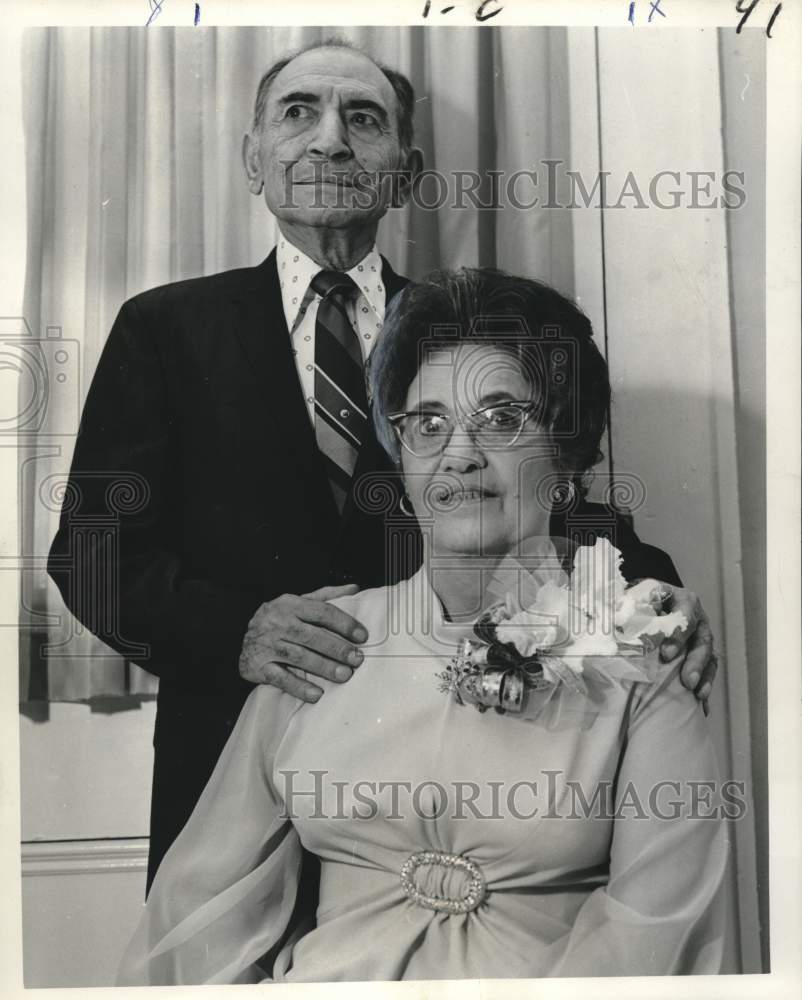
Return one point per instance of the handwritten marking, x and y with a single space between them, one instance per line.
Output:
480 13
773 18
197 14
747 10
655 10
155 10
631 17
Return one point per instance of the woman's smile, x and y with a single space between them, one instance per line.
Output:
458 496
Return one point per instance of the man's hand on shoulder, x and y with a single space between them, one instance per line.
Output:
695 642
302 631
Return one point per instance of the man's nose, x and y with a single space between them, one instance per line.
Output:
330 138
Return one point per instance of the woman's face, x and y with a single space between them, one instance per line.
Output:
480 497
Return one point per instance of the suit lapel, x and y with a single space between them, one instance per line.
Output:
393 282
262 331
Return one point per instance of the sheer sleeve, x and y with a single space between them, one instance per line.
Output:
224 894
662 911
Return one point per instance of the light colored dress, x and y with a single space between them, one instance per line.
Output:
387 766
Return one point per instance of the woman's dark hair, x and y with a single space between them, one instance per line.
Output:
548 334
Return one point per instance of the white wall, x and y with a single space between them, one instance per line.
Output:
85 794
80 904
671 352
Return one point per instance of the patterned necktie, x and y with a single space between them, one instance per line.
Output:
341 406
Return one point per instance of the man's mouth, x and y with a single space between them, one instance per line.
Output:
325 182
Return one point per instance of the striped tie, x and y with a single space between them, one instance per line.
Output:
341 407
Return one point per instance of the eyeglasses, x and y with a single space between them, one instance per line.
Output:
427 433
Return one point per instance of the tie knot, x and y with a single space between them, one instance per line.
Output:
326 282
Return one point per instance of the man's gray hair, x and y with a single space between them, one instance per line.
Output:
402 88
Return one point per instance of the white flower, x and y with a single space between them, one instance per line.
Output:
586 643
542 625
636 614
597 583
528 633
594 615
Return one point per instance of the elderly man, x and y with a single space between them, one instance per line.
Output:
236 401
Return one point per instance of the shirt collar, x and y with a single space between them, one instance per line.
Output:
296 270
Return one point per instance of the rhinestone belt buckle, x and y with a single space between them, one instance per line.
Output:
475 893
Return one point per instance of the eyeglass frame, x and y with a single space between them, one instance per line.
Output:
525 406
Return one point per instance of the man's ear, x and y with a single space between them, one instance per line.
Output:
253 166
412 166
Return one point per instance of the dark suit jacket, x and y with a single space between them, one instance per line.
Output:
197 494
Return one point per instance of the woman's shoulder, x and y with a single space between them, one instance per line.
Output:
373 605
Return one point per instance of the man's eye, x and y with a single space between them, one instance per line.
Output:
298 112
362 119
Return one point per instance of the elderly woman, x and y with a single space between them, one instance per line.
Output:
564 841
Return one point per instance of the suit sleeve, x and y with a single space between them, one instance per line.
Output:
114 556
642 561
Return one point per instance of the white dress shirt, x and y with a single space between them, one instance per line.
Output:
366 311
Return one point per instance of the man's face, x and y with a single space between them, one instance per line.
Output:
329 132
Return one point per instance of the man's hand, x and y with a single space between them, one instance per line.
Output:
696 641
302 631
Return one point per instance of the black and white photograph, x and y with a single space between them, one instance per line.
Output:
401 517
